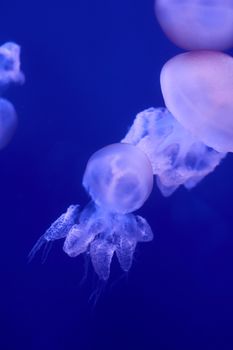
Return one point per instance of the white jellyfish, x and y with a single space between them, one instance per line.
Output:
119 180
197 24
9 73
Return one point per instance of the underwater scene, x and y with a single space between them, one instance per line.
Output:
116 141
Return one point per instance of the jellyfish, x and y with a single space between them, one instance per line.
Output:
10 64
9 73
197 24
119 179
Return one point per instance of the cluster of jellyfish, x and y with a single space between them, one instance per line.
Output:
9 73
178 144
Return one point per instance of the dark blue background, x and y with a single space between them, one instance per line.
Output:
90 67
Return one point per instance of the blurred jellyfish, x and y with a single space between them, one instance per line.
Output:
119 180
10 64
197 24
8 122
9 73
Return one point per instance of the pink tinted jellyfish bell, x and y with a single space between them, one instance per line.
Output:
119 178
197 24
197 88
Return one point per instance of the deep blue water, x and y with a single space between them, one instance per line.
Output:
90 66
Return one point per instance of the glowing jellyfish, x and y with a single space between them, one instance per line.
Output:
9 73
197 24
119 180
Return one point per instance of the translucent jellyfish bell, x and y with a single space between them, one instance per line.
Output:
119 179
197 24
197 88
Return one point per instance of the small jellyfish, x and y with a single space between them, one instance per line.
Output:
197 89
119 180
197 24
8 122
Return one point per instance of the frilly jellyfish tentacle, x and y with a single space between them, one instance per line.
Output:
144 231
177 157
105 233
125 249
101 252
59 229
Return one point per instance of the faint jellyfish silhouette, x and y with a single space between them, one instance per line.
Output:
119 180
9 73
8 122
10 64
197 24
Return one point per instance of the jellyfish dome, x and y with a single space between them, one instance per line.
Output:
119 179
197 24
197 88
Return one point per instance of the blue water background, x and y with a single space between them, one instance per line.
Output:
90 66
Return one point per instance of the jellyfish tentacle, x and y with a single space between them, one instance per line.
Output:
59 229
77 240
144 230
125 249
101 252
176 155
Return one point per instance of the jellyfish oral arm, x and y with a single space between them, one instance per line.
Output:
59 229
98 234
177 157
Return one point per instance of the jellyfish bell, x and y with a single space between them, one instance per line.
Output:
119 178
8 122
197 88
197 24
